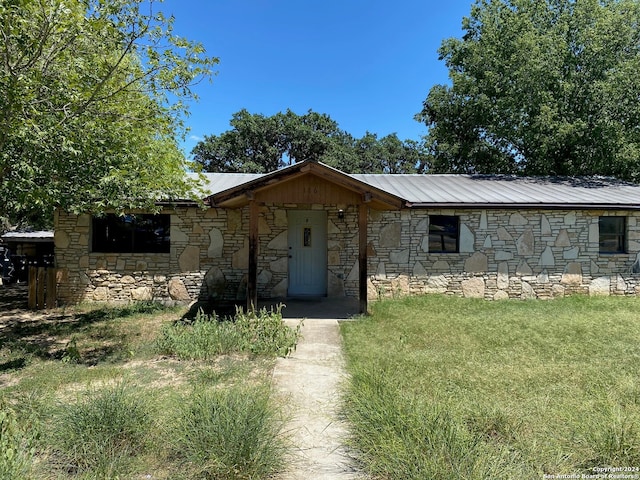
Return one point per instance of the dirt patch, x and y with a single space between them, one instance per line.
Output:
13 296
24 333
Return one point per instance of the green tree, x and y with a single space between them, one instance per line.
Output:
254 144
261 144
389 154
93 94
540 87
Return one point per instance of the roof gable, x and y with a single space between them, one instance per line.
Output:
306 182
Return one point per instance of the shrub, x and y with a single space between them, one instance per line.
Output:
262 333
102 432
229 434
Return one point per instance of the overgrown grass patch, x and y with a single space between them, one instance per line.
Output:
232 433
93 398
17 450
208 336
100 434
444 387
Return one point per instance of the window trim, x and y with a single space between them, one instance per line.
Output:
620 238
442 235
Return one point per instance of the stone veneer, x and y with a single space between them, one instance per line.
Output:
503 254
208 259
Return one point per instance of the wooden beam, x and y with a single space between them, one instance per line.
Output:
363 212
252 273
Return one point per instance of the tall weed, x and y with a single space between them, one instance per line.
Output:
229 434
616 439
16 446
100 434
261 333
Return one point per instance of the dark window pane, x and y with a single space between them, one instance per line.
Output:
443 233
306 236
131 234
612 234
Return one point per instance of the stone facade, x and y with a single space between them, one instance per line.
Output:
502 254
208 259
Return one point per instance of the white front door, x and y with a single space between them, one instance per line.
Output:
307 252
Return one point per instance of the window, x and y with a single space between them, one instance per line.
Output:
131 234
612 234
443 233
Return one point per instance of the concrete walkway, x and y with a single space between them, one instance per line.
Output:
309 381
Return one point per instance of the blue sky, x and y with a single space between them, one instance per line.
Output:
367 64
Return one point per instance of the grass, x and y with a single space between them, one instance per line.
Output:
102 432
16 445
229 434
445 387
86 395
261 333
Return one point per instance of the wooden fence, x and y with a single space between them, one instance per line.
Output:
42 288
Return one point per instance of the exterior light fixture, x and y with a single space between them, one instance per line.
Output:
341 214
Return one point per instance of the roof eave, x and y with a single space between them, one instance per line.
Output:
237 196
178 203
526 206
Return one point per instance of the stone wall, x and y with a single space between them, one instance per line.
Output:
208 259
342 249
502 254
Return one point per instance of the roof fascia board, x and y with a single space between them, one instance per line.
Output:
231 195
529 206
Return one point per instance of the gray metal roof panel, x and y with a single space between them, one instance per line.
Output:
498 189
23 236
443 189
218 182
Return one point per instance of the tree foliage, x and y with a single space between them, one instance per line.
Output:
257 143
91 105
540 87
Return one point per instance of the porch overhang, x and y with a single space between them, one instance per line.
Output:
306 183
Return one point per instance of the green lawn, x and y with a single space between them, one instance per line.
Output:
446 388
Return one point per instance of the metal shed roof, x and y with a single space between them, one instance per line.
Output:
28 237
445 190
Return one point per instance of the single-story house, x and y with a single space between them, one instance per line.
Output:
311 230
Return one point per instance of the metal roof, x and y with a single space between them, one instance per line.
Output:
442 190
507 190
28 237
218 182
